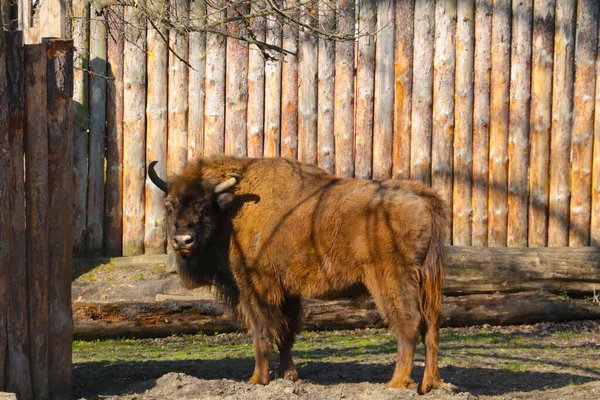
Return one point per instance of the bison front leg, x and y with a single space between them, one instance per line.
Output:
292 309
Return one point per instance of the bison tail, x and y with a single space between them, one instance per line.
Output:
432 272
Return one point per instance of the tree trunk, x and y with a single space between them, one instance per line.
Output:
165 318
481 120
540 120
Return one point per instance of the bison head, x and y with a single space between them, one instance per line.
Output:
193 206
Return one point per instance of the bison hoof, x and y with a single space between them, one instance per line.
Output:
428 385
257 380
401 384
291 375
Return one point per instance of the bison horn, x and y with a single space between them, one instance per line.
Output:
228 184
162 185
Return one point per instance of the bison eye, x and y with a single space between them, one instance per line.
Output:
169 208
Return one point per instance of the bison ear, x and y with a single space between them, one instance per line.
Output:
224 200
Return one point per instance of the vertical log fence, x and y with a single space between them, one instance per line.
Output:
36 230
493 103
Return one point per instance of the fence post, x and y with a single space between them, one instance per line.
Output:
4 205
60 192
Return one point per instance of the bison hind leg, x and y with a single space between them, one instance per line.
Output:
397 299
292 309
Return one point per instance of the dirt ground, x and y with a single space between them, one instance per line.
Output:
542 361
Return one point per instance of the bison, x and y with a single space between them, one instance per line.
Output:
267 232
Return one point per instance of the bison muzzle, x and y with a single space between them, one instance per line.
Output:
267 232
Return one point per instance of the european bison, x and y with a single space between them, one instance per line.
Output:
267 232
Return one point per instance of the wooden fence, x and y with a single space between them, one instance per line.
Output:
36 244
490 102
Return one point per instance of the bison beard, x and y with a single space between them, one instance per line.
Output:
278 230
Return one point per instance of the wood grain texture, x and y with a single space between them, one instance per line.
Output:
157 122
481 120
97 138
257 94
541 120
134 133
342 149
499 122
114 133
18 378
81 42
518 137
562 124
595 223
60 192
383 117
325 91
196 94
344 92
444 64
420 150
583 122
236 90
289 91
37 200
273 95
462 210
214 86
5 231
307 89
177 128
405 13
365 89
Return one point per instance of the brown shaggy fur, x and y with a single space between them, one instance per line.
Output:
292 231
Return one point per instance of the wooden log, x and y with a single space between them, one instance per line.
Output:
325 91
481 120
499 120
488 270
273 93
289 91
18 378
114 133
178 98
595 224
540 120
236 89
444 64
383 117
60 192
518 140
405 13
462 210
469 270
196 95
365 89
97 110
214 81
583 122
420 150
81 41
257 117
165 318
157 118
307 89
562 124
343 109
5 232
134 132
37 198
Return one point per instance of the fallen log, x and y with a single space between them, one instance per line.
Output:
469 270
164 318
